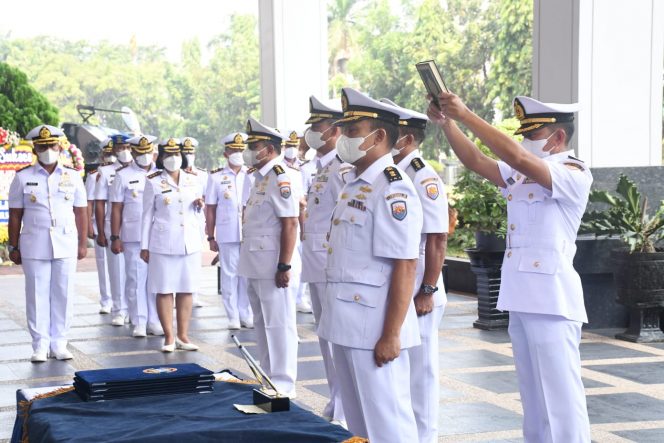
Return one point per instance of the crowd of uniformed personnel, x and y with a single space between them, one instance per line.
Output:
363 225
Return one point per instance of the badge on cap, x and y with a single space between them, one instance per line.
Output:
238 140
432 191
44 132
399 209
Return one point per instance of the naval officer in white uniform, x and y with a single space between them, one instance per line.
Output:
49 200
227 193
429 295
126 196
546 189
107 158
372 259
322 197
171 241
268 253
115 262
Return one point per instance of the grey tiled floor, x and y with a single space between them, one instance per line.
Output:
478 393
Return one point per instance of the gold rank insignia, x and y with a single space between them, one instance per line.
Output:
361 197
366 189
344 196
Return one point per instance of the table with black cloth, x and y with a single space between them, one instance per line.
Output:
173 418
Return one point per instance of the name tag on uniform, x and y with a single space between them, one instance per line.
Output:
166 191
32 184
133 184
226 182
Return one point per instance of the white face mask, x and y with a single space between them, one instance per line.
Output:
290 153
536 147
110 159
124 156
48 157
143 159
236 159
315 139
172 163
349 148
251 157
396 151
190 159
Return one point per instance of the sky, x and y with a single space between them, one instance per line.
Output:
164 23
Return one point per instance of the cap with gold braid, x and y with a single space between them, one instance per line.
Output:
358 106
142 144
189 145
257 131
533 114
408 117
45 135
237 140
107 146
293 138
170 145
321 111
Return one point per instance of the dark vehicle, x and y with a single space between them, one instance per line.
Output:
88 137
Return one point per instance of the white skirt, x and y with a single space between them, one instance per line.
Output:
168 274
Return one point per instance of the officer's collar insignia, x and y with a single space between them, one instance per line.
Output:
366 189
399 209
510 181
44 132
238 140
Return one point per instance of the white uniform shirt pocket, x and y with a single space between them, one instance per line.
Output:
539 261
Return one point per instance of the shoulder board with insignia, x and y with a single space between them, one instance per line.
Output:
392 174
214 171
574 158
155 174
190 171
417 163
251 170
278 169
69 167
121 167
106 164
23 168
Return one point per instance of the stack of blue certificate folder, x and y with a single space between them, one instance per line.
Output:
140 381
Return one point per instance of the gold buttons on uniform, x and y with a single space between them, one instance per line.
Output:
509 197
336 221
530 195
536 264
356 297
329 250
518 176
512 227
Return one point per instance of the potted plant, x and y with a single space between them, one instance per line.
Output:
639 266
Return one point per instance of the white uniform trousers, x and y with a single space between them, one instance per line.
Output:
233 286
276 331
424 388
116 276
49 301
302 286
136 284
376 400
102 276
334 408
548 366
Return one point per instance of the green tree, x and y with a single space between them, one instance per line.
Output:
21 106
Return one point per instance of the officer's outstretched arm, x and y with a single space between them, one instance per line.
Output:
506 148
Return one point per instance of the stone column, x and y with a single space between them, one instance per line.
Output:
608 55
293 65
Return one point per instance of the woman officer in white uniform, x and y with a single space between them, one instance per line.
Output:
171 241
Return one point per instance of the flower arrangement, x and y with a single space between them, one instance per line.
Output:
8 139
71 155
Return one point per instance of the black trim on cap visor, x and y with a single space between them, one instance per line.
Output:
414 123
